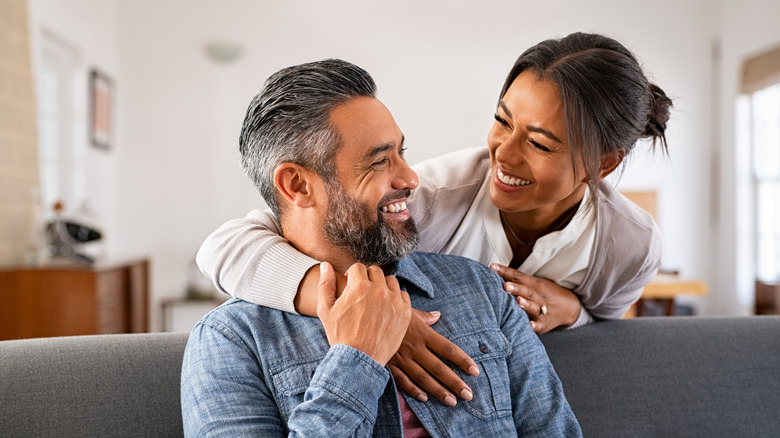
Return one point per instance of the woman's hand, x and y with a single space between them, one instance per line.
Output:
415 363
548 305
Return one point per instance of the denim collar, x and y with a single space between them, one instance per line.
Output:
409 274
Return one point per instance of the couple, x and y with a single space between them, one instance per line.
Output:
342 200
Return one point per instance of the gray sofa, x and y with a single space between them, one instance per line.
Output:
657 377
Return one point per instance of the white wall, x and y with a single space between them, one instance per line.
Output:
87 27
439 67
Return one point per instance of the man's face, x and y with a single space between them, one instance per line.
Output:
367 211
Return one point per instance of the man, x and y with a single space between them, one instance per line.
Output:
328 158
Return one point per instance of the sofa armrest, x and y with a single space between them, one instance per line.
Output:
104 385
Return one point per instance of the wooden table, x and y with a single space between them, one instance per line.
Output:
664 288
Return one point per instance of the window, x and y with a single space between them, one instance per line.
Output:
61 161
758 163
765 135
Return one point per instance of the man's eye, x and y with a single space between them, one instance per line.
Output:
379 163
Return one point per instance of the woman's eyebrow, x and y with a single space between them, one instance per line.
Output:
531 128
544 132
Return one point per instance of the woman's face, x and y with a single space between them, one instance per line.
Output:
529 150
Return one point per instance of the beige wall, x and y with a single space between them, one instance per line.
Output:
18 146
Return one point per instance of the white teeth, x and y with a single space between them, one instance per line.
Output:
511 180
394 208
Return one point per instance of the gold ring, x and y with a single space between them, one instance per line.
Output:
543 309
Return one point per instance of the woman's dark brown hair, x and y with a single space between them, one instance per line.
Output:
608 102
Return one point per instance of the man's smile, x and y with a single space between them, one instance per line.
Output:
394 207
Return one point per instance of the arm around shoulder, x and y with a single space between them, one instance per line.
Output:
248 258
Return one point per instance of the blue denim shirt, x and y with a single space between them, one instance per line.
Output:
254 371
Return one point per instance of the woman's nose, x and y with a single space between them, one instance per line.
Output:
510 150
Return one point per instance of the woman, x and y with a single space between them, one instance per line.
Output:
534 204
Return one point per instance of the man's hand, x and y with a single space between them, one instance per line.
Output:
548 305
372 314
415 360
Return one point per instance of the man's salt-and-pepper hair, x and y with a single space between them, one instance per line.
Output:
289 121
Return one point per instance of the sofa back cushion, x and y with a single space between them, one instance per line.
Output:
678 376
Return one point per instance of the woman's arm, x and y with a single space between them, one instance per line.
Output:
246 256
615 277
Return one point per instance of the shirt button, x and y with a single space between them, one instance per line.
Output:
483 348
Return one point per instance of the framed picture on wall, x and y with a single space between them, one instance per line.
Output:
100 104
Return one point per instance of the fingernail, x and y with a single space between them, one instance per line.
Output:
510 287
495 267
474 370
449 400
435 313
466 394
423 397
522 302
322 268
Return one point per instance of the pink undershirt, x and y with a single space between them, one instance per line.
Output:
412 426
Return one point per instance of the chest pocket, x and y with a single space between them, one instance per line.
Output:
291 381
491 389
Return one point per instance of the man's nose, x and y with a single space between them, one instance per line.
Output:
404 178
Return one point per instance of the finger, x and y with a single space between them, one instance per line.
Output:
356 275
357 271
406 384
429 318
445 348
326 289
375 273
519 290
425 381
534 310
539 328
392 283
508 273
444 374
407 301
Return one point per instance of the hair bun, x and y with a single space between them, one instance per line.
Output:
660 105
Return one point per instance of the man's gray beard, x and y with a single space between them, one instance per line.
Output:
373 241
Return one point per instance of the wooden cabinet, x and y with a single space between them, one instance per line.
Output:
767 298
63 300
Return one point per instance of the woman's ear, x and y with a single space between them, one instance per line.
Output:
295 184
611 162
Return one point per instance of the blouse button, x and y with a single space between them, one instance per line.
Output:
483 348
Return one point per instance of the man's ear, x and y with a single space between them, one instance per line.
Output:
296 184
611 162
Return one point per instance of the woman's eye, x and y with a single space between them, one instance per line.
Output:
500 120
539 146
